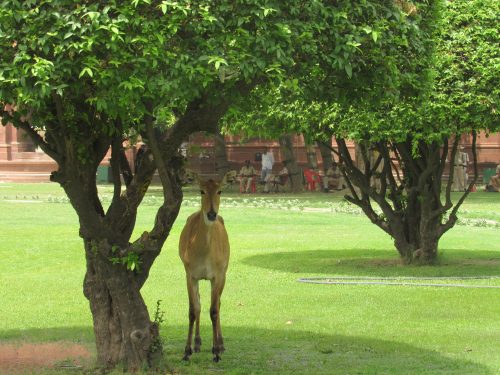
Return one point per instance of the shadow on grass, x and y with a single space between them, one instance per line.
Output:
367 262
287 351
74 334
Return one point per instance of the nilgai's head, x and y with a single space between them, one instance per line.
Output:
210 199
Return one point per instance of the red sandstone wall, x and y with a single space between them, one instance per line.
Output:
19 162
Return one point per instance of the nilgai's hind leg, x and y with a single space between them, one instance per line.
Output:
218 341
194 315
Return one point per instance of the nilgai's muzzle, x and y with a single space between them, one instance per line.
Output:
211 215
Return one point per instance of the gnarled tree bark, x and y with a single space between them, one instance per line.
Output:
117 267
410 207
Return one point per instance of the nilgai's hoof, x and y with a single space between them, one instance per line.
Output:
187 354
217 358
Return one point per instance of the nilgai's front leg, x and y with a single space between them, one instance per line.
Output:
218 341
197 337
194 314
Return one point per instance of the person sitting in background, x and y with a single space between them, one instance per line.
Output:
247 173
494 184
280 179
333 178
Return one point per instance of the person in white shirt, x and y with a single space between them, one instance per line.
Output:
459 171
267 166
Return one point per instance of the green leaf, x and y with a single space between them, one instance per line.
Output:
367 29
348 69
87 71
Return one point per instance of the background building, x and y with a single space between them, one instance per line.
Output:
21 161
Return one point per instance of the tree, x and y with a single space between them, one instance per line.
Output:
399 121
369 51
413 139
81 78
406 137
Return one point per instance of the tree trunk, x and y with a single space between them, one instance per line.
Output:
417 244
221 162
122 327
326 156
117 268
296 179
412 210
312 160
428 235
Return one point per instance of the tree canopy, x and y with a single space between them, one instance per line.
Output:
444 83
468 66
92 74
389 47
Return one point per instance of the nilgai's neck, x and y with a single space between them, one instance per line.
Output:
204 234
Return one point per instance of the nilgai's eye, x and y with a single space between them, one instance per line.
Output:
219 192
202 192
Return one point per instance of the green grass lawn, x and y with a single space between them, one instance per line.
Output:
272 324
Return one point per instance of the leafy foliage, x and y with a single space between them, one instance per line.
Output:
464 94
90 74
382 55
468 66
114 56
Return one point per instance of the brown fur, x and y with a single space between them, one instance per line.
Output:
204 250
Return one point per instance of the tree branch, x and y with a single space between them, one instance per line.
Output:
453 214
115 168
125 167
59 108
370 213
39 141
454 149
400 164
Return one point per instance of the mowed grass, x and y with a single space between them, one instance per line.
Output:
272 324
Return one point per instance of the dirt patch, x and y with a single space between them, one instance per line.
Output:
385 262
29 357
481 262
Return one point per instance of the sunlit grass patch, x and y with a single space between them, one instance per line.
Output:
272 324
